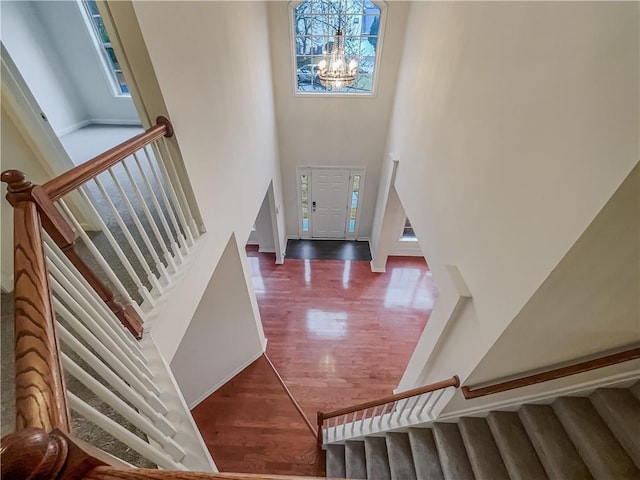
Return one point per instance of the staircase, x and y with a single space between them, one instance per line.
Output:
595 437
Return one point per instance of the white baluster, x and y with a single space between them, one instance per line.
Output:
55 258
184 223
364 415
104 265
142 290
344 425
182 239
373 415
437 398
353 421
152 223
154 409
384 409
426 401
125 436
161 214
394 410
123 367
96 323
413 407
160 268
155 284
103 393
184 203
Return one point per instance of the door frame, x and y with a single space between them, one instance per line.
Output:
308 234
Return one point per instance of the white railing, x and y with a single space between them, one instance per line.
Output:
411 408
104 284
147 229
105 364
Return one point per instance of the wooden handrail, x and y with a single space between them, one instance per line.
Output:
38 455
450 382
109 473
551 374
81 174
40 392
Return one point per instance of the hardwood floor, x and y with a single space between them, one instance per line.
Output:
338 335
251 426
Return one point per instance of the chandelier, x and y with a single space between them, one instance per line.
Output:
333 71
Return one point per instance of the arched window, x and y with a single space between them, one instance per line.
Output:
315 23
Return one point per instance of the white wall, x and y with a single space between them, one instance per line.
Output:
66 26
14 153
588 304
514 124
351 130
393 215
264 229
52 47
222 337
32 50
224 123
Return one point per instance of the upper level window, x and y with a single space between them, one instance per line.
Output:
112 67
315 25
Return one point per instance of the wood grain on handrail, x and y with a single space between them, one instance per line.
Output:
450 382
552 374
40 392
72 179
110 473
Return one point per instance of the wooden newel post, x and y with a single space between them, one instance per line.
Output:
40 391
320 423
35 454
32 453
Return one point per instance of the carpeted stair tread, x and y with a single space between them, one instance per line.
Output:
400 456
518 454
453 456
621 412
598 447
425 454
482 450
377 459
354 457
335 461
575 438
555 450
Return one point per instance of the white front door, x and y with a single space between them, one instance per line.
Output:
330 192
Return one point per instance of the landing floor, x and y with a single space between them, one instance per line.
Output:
338 335
251 426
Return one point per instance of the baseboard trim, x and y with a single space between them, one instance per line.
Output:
293 400
375 269
201 398
266 250
115 121
73 128
98 121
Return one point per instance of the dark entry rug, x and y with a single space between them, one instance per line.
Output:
328 250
